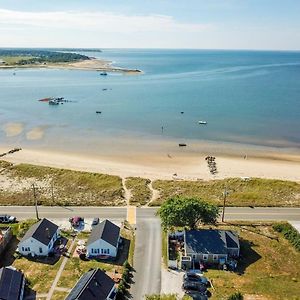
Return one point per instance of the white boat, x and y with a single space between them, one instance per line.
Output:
202 122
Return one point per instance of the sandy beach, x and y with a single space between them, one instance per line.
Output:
187 166
93 64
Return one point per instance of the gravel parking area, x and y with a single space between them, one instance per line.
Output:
171 282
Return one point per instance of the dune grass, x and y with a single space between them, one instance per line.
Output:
255 192
140 192
68 187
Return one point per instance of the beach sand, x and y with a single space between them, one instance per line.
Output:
187 166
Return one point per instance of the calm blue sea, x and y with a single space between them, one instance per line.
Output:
246 97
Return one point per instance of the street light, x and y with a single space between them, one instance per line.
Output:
225 194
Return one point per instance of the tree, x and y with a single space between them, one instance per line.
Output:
236 296
180 211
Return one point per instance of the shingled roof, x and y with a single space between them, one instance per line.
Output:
94 284
210 241
43 231
106 231
11 282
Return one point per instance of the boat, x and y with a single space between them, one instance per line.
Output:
98 112
182 145
103 74
46 99
53 102
202 122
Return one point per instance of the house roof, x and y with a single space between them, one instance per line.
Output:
106 231
94 284
210 241
43 231
10 284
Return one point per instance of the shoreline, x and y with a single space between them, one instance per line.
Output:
186 166
93 64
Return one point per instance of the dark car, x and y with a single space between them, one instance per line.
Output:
193 277
195 286
95 221
7 219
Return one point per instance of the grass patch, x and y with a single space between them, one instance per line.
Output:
57 295
140 192
164 243
12 60
69 187
255 192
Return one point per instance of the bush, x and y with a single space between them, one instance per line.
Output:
290 233
236 296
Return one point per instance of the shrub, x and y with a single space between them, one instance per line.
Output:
236 296
290 233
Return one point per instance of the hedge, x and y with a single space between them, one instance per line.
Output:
290 233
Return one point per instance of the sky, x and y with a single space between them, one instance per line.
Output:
195 24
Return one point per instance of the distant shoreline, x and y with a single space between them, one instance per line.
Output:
93 64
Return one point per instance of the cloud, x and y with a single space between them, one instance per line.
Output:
99 21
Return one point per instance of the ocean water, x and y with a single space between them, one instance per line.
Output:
246 97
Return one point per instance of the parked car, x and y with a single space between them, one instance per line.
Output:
195 286
194 277
76 221
95 221
7 219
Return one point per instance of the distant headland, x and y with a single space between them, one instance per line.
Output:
57 58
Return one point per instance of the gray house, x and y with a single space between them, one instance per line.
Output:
12 284
93 285
211 246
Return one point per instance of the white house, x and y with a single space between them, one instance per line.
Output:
93 285
39 239
104 240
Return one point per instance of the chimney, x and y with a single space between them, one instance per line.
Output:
47 233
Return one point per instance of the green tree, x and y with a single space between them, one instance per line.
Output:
236 296
179 211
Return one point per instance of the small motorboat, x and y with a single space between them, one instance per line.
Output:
98 112
202 122
103 74
182 112
53 102
182 145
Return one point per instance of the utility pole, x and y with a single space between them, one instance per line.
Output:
52 193
225 193
35 202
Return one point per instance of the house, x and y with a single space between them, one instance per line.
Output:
94 284
104 240
39 239
210 246
12 284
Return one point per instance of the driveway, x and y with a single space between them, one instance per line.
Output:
147 256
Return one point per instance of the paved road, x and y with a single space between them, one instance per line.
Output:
231 213
147 256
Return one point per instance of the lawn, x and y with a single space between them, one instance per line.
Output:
255 192
268 269
140 192
60 186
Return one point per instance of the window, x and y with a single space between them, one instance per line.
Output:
92 250
107 251
23 249
205 256
215 257
41 250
